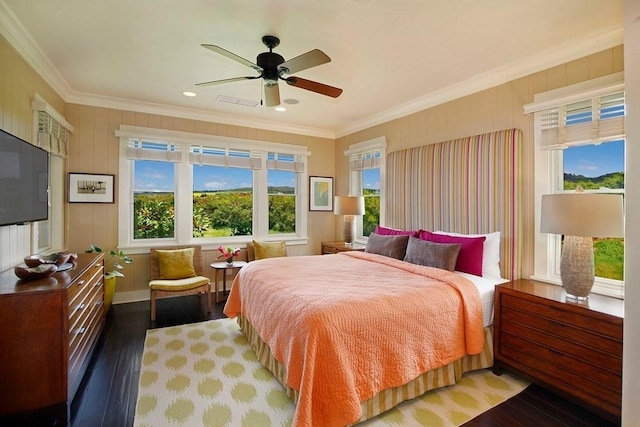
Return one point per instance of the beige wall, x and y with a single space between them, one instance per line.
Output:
490 110
18 82
94 149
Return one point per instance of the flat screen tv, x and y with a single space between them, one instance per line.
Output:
24 181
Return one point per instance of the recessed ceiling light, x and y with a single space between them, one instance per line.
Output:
191 94
281 109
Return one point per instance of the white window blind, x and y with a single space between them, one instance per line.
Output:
138 149
285 162
589 121
53 137
227 157
365 160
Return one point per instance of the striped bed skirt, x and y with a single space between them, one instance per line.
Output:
389 398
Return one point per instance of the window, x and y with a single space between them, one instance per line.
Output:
184 188
580 144
51 133
153 199
366 166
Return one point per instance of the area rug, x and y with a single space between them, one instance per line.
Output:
206 374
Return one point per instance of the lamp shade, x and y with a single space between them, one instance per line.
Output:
582 214
348 205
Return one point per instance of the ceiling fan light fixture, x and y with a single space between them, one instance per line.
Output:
272 67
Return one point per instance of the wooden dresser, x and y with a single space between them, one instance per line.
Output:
48 331
572 348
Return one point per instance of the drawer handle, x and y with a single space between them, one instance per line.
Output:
81 331
81 282
80 307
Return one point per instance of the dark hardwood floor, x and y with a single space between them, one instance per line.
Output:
107 395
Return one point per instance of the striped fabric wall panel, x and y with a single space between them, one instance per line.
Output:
468 185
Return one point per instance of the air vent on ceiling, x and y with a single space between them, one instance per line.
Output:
238 101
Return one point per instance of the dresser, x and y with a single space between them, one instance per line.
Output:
572 348
48 331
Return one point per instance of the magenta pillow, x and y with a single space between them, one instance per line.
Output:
386 231
470 256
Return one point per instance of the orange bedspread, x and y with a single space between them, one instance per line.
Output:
349 325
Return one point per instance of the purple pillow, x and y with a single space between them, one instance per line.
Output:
470 256
386 231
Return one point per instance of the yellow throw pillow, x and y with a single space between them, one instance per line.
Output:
176 264
269 249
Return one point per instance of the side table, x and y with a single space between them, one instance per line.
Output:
222 267
340 246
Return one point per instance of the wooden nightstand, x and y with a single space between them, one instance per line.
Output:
338 246
574 349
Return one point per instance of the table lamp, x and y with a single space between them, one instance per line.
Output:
349 206
580 217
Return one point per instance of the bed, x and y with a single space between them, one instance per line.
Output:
337 330
352 335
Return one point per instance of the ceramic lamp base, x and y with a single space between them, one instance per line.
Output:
576 266
349 228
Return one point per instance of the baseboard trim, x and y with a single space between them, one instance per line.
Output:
133 296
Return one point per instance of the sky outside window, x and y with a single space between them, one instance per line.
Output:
594 160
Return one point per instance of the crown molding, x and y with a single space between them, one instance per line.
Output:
193 114
19 38
15 33
557 55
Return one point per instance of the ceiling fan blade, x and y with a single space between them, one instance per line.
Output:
306 60
272 94
233 56
320 88
234 79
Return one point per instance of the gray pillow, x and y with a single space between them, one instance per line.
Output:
431 254
391 246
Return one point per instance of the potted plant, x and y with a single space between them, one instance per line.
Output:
110 276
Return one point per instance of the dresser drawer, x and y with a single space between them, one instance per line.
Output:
563 337
574 349
84 335
586 323
92 276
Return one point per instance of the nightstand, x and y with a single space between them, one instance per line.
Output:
572 348
340 246
222 267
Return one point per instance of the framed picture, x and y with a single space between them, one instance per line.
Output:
90 188
320 193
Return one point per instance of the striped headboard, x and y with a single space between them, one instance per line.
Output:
467 185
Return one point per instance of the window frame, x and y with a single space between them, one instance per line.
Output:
549 176
184 189
355 177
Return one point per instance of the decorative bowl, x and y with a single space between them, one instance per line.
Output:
34 273
63 258
58 258
33 260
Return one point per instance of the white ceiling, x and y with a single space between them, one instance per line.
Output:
391 58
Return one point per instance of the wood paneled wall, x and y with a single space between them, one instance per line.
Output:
18 82
490 110
95 148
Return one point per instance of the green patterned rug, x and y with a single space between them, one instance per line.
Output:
205 374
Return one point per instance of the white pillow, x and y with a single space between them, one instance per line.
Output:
490 252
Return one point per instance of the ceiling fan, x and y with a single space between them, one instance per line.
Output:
272 67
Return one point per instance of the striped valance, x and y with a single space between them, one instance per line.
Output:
467 185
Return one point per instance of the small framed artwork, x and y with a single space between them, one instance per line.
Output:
320 193
90 188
